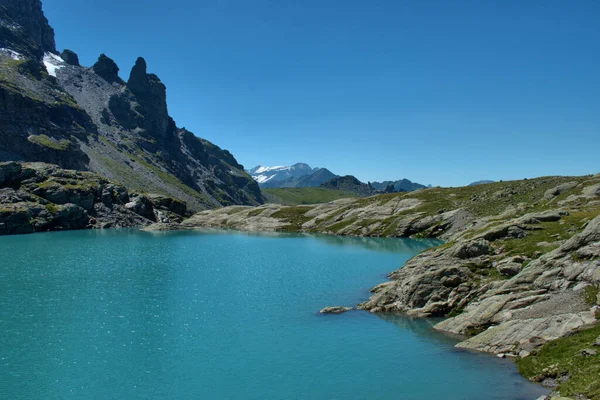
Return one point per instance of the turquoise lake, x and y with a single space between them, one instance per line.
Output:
122 314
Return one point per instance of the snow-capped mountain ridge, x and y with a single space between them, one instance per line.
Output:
302 175
263 174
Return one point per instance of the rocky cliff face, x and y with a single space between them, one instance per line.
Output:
56 111
24 28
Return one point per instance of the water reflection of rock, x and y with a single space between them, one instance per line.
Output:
391 245
423 327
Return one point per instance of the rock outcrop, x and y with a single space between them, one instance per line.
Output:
335 310
25 29
107 69
70 57
37 197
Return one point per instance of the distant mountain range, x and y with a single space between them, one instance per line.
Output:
293 176
403 185
350 184
303 175
480 183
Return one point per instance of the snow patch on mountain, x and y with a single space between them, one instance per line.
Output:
263 178
53 63
260 169
12 54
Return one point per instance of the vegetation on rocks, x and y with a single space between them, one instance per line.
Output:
38 197
570 364
43 140
305 195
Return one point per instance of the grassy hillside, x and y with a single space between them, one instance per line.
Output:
297 196
423 213
572 361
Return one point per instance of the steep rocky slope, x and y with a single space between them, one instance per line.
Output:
37 197
56 111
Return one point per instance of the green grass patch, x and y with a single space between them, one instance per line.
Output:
342 224
564 356
51 143
256 212
591 295
294 216
484 270
51 208
235 210
309 195
551 233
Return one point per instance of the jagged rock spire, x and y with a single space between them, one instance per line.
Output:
107 69
151 94
138 79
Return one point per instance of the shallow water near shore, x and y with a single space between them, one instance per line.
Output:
221 315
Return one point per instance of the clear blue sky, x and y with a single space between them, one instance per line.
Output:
440 92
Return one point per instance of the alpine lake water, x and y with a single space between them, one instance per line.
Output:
124 314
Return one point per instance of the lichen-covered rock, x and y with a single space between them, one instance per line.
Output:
509 268
510 230
472 249
563 187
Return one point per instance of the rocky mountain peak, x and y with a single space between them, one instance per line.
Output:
138 78
106 68
146 87
151 94
70 57
90 119
23 22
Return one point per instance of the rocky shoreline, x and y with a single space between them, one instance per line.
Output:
520 266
